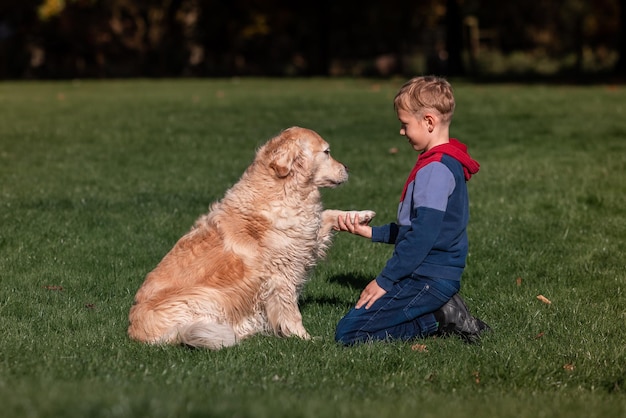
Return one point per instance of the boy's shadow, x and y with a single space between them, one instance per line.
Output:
349 280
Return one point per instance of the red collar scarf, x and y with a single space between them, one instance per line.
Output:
455 149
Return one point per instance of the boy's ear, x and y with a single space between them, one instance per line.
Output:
431 121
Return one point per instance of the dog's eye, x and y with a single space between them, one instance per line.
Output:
327 151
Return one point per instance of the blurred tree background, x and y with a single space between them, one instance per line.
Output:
52 39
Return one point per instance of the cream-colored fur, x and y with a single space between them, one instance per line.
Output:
240 269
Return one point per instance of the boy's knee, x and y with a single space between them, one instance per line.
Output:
341 340
342 333
346 334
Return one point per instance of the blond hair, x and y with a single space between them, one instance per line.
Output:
426 93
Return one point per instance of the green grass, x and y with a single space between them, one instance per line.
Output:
99 179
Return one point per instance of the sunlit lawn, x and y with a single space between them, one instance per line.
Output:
99 179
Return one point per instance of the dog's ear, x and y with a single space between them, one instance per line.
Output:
284 155
282 161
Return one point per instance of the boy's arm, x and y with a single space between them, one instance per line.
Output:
385 233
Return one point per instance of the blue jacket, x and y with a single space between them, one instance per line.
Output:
430 235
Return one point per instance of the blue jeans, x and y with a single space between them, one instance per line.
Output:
404 312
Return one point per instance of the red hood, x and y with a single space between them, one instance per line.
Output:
455 149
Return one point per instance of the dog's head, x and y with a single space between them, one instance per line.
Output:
301 153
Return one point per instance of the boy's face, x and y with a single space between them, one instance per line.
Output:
415 128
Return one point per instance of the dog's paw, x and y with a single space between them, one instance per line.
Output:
365 216
294 330
302 334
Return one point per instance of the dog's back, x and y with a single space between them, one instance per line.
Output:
187 286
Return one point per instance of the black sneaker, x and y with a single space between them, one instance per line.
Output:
456 319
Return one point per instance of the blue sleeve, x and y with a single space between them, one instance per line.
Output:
433 185
385 233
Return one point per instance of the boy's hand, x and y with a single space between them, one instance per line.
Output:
370 294
353 226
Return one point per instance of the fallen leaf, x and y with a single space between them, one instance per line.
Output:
90 305
569 367
52 287
518 281
544 299
420 348
476 377
393 150
541 334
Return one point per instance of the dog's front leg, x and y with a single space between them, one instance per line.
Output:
284 315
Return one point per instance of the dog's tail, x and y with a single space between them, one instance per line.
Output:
206 334
189 317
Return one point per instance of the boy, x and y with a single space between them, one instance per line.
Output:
415 295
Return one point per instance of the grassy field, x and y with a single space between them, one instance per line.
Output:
99 179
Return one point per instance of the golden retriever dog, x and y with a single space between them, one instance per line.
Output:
240 269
